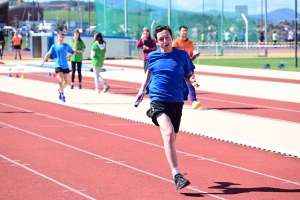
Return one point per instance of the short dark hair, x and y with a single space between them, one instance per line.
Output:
183 27
161 28
61 34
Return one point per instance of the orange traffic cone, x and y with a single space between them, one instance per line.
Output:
22 76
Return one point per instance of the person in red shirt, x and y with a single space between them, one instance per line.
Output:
183 43
148 45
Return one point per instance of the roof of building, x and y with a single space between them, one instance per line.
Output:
3 2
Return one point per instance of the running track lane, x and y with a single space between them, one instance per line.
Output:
281 110
75 154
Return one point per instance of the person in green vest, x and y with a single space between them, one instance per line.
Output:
202 37
274 37
78 46
98 55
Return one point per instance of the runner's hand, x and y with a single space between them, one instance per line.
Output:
193 81
139 96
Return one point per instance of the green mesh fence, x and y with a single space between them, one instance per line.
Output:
216 27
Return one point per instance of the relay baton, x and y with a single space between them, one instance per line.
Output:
137 103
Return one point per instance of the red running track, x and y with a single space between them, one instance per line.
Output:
50 151
280 110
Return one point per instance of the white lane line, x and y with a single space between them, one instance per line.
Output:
107 159
269 107
182 152
47 177
84 81
248 104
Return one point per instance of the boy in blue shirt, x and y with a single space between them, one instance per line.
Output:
61 52
168 68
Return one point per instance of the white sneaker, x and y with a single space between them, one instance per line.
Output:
106 88
97 91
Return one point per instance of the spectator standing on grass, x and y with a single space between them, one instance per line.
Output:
242 36
274 37
98 55
261 38
61 52
291 37
183 43
168 68
148 45
78 46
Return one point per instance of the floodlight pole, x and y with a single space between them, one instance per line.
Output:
104 7
246 34
125 17
153 22
78 15
68 16
169 12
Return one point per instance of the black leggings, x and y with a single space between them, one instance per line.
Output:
74 70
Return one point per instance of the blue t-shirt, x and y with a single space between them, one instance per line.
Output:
168 70
59 53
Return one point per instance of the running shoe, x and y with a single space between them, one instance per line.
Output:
63 98
196 104
72 86
106 88
180 182
80 87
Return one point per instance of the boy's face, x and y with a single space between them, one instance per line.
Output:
60 38
164 40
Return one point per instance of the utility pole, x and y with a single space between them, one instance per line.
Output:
78 15
203 16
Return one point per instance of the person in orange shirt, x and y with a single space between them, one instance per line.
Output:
183 43
17 44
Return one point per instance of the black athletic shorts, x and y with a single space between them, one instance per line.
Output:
64 71
17 46
172 109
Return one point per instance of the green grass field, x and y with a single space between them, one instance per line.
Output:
254 63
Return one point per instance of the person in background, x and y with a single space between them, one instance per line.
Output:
17 41
2 43
169 68
291 38
98 55
183 43
78 46
274 38
261 38
61 52
148 45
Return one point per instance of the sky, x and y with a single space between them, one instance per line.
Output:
254 6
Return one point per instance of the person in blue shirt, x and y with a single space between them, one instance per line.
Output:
168 69
61 52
